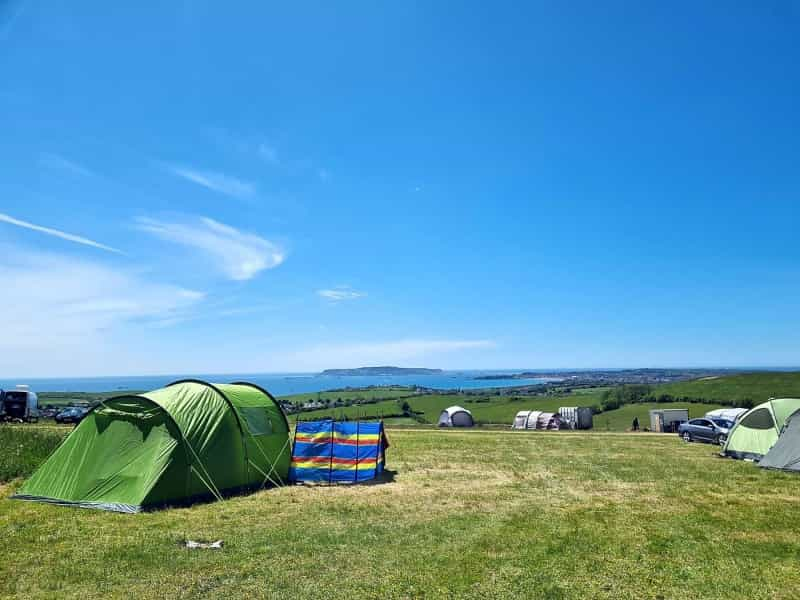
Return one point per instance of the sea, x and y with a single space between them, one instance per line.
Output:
279 384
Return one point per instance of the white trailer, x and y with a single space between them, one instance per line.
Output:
20 404
666 420
729 414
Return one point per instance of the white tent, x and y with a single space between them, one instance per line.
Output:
536 419
576 417
549 420
456 416
526 419
730 414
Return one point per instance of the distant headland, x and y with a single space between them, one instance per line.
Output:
380 371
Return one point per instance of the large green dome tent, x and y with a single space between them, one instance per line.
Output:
758 429
187 441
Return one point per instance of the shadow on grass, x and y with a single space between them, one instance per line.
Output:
387 476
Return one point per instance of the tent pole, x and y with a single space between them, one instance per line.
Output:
379 453
330 464
358 434
294 444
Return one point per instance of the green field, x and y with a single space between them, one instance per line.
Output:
375 410
757 387
71 398
478 514
622 418
59 399
487 408
23 448
352 394
494 409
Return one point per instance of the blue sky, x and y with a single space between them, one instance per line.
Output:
260 187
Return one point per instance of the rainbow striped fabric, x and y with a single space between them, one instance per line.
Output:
331 452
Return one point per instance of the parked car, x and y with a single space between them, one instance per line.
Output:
71 414
714 431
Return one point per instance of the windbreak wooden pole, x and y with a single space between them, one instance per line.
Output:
379 453
330 464
358 447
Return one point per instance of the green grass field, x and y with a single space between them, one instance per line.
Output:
486 408
60 399
70 398
23 448
758 387
353 394
376 410
478 514
621 418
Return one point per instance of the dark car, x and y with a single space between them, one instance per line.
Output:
72 414
714 431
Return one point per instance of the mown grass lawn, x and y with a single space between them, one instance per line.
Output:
472 514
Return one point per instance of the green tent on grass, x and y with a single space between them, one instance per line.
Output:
758 430
188 441
785 454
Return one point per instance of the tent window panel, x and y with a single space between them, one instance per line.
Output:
257 419
759 419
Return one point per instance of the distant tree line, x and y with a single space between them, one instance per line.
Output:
634 393
323 403
623 394
738 403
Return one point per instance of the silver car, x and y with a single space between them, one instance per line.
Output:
710 430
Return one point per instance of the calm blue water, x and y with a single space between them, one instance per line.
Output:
280 384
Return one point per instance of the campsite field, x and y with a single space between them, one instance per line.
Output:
485 408
500 410
474 514
620 419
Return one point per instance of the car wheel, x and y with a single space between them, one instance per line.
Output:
687 437
720 440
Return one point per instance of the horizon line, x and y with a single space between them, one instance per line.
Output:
543 370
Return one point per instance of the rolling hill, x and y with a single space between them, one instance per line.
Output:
742 389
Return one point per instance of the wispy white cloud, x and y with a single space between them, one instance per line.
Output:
246 310
268 153
56 161
339 293
238 255
73 309
251 145
218 182
7 21
57 233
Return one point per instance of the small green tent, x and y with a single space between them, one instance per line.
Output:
758 430
187 441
